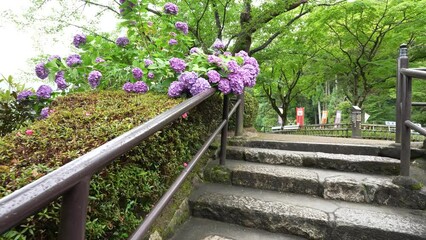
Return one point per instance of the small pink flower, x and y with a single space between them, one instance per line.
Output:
185 164
88 114
185 115
29 132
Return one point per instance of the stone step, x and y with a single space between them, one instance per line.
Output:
342 162
391 150
205 229
306 216
328 184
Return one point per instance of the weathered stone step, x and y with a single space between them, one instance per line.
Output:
352 187
205 229
342 162
392 151
306 216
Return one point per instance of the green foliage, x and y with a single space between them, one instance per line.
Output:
123 193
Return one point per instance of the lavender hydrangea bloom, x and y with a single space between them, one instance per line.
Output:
188 79
214 59
227 54
60 80
176 89
128 87
178 65
150 75
252 61
44 113
148 62
251 74
41 71
171 8
214 76
99 60
24 95
140 87
137 73
236 82
182 26
94 78
79 39
73 60
218 44
44 92
224 86
194 50
54 57
242 54
233 66
122 41
173 42
199 86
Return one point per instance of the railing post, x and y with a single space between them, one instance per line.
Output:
402 63
224 134
405 130
240 116
74 211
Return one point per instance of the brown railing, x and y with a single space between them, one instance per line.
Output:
404 125
71 181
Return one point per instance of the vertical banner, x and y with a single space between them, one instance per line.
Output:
324 117
300 116
338 119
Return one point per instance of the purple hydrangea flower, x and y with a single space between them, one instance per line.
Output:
94 78
73 60
44 113
178 65
99 60
41 71
252 61
242 54
176 89
171 8
199 86
122 41
140 87
182 26
128 87
214 59
214 76
150 75
53 57
24 95
137 73
236 82
251 74
218 44
233 66
148 62
224 86
194 50
188 79
60 80
173 42
79 39
44 92
227 54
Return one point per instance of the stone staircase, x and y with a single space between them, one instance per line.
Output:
283 190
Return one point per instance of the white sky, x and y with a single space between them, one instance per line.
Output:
18 46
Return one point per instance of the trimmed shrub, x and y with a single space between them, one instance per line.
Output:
122 193
250 111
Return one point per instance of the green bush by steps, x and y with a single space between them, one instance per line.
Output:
125 191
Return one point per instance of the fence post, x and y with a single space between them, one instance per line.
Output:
405 130
224 134
401 63
74 210
240 116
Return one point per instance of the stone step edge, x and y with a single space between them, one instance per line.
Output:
343 162
341 186
342 223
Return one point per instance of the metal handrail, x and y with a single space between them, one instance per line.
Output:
155 212
414 72
416 128
72 180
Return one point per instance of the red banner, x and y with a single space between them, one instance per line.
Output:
300 116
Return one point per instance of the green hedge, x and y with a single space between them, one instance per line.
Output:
124 192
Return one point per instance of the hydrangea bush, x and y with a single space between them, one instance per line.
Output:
156 53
